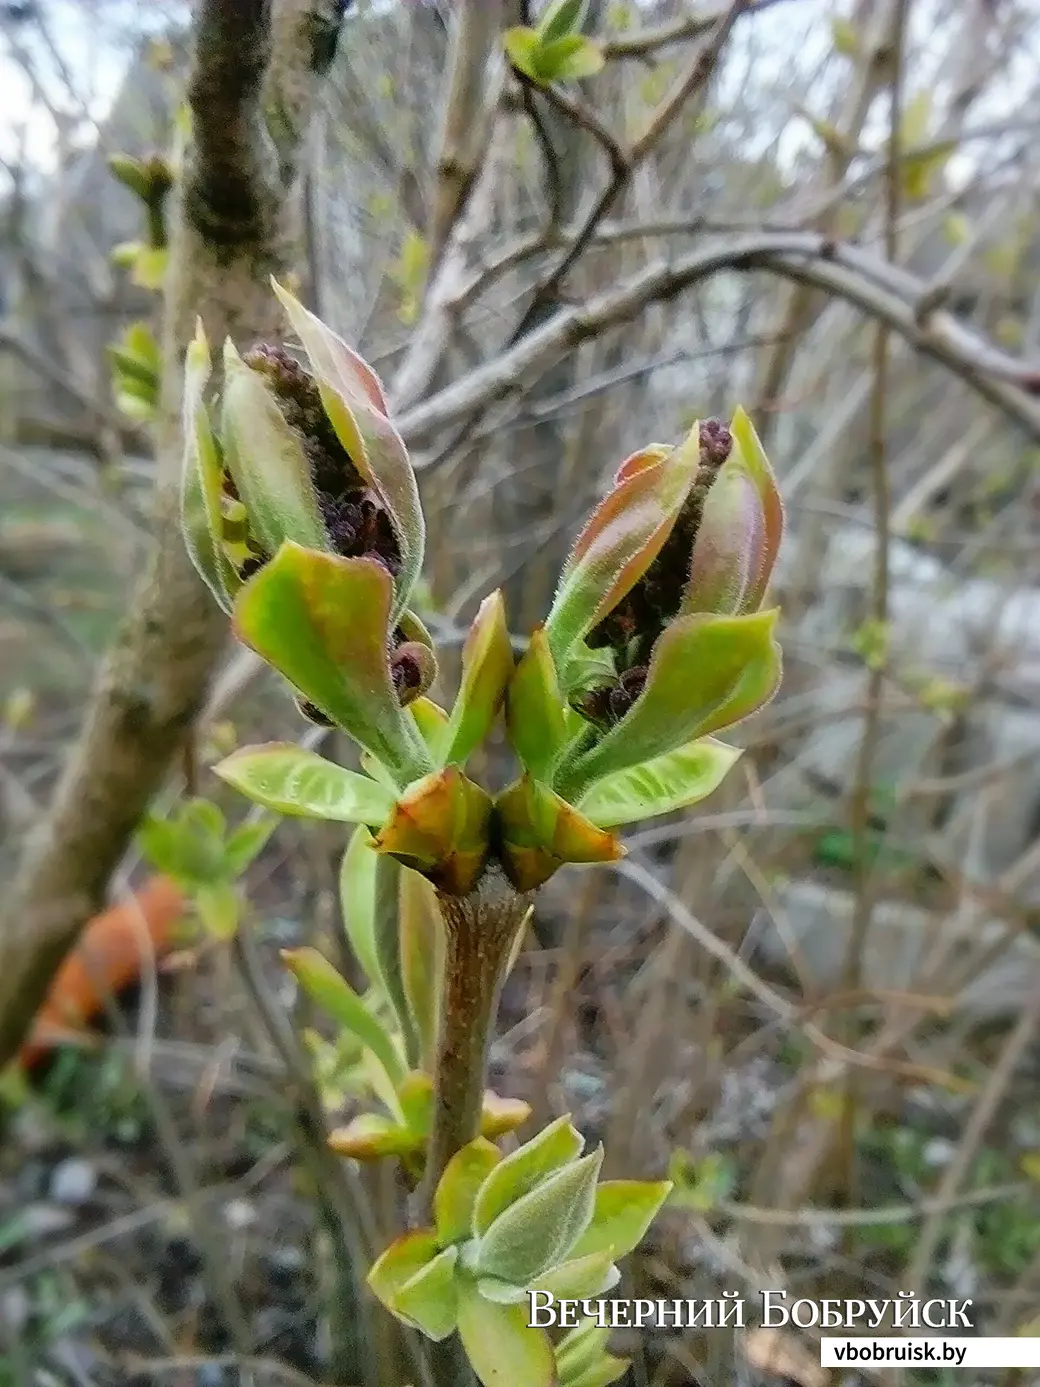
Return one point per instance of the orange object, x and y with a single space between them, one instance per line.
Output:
110 954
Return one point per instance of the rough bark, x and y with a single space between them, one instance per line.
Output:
255 71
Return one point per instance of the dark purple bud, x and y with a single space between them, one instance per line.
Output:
405 674
313 713
606 706
657 597
595 706
716 443
358 524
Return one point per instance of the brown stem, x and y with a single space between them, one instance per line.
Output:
479 932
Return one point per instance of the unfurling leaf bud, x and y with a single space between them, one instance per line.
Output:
298 465
655 639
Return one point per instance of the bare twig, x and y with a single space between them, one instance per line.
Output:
805 257
691 85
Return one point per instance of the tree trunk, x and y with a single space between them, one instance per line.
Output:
233 228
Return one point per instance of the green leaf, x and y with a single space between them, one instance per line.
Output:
620 540
409 271
245 843
372 1136
580 1348
141 342
487 663
537 1232
219 909
160 842
430 1298
561 17
335 995
356 405
372 766
132 173
522 47
916 119
387 939
357 897
431 720
918 170
568 59
136 407
201 479
554 1147
294 781
135 370
204 819
673 781
421 958
456 1193
706 673
623 1211
188 848
535 719
504 1350
580 1278
753 458
701 1184
150 264
604 1371
837 143
403 1259
415 1096
265 457
502 1292
323 622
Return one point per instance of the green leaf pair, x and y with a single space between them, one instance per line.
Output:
196 850
706 672
655 638
555 51
323 622
536 1220
136 365
331 991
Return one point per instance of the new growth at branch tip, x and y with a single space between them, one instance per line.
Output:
301 512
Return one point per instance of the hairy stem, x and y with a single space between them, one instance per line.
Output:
479 932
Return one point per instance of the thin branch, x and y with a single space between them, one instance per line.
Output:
692 83
859 808
805 257
646 42
881 493
620 171
467 120
937 1207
